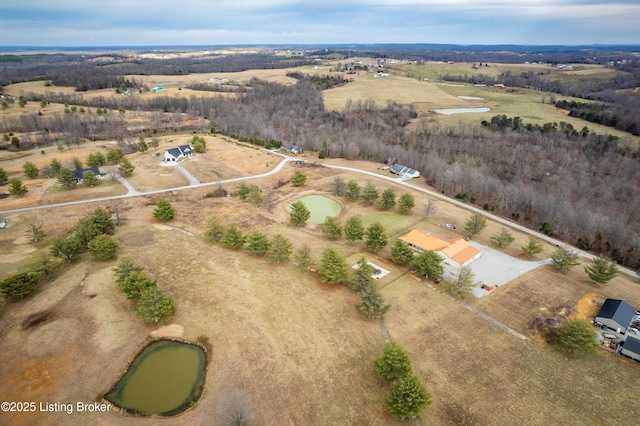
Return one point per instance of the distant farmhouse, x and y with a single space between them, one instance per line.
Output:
405 172
157 89
456 252
616 315
381 74
78 174
175 154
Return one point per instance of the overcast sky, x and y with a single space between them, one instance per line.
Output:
220 22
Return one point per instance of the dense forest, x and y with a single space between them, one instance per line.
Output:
576 185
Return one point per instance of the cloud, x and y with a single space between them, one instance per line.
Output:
117 22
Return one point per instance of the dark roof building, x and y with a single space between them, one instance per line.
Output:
174 154
404 172
615 314
78 173
631 348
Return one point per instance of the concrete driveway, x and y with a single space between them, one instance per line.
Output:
496 268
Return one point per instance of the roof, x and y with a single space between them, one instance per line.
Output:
399 169
617 310
181 150
457 249
425 240
632 344
461 251
78 173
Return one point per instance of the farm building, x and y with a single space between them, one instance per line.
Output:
157 89
456 252
615 314
405 172
631 348
77 174
174 154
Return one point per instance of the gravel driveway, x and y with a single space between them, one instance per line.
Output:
496 268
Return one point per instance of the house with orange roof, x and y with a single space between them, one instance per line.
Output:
457 252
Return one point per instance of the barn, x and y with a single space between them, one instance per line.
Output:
615 314
631 348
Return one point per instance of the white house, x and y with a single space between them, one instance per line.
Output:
175 154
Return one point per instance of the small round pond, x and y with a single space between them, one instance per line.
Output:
320 207
164 379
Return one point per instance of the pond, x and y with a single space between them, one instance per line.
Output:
320 207
164 379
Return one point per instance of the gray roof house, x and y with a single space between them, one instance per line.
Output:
174 154
405 172
615 314
631 348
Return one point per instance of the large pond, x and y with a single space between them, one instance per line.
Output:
165 379
320 207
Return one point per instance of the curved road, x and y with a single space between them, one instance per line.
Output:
133 193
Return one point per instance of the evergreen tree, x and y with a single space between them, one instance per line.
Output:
475 224
66 247
401 253
66 178
102 248
19 285
299 214
164 211
407 398
362 278
96 159
55 165
89 178
369 194
375 236
564 259
298 178
124 268
17 188
577 336
394 363
125 168
85 230
601 270
154 306
255 196
215 230
406 203
387 199
233 237
142 144
353 229
114 156
429 264
331 228
258 243
372 303
503 239
333 267
135 283
303 258
30 170
280 248
352 191
77 163
532 247
46 265
243 191
103 221
4 179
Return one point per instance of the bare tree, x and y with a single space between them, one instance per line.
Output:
430 207
235 408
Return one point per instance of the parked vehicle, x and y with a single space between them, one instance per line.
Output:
449 225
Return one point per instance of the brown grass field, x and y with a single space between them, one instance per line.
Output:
298 346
